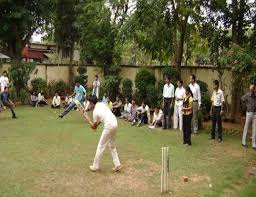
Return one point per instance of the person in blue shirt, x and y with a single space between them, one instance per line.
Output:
5 98
79 93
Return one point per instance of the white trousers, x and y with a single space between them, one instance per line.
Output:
250 121
177 117
107 139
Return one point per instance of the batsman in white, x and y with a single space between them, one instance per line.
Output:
102 114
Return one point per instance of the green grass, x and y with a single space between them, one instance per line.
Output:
41 155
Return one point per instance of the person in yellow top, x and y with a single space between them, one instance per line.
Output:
187 111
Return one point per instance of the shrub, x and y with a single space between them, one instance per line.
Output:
57 86
206 101
38 85
24 97
143 79
174 73
20 74
127 88
114 69
152 96
13 94
82 77
111 85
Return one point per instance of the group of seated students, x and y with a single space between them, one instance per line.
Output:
38 99
135 114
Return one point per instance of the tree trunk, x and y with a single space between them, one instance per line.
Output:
235 99
70 67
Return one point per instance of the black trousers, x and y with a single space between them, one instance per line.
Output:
167 113
216 119
187 128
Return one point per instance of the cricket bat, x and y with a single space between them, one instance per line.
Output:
81 109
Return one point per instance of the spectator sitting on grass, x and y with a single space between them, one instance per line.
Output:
109 103
56 101
127 109
68 100
117 106
86 104
133 116
41 99
34 100
157 118
143 114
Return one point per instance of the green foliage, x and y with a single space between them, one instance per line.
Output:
57 86
38 85
111 85
19 20
205 96
143 79
97 33
24 96
20 74
127 88
82 70
13 94
113 69
171 71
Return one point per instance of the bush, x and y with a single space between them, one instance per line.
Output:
174 73
127 88
57 86
39 85
143 79
13 94
113 69
20 74
24 97
111 85
206 100
152 96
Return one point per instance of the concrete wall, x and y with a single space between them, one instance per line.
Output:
55 72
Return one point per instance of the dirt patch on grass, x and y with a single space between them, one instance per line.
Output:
133 179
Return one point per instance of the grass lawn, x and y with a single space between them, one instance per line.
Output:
42 155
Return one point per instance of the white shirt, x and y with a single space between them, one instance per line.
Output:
195 88
102 113
144 110
56 100
96 88
158 116
179 94
4 81
168 91
127 108
217 97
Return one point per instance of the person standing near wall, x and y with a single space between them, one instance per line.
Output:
96 86
179 96
217 110
168 95
4 81
195 88
249 100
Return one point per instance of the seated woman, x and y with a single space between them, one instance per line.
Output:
133 116
117 106
34 99
157 118
56 101
127 109
41 99
143 114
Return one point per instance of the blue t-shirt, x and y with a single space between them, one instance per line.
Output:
80 92
5 96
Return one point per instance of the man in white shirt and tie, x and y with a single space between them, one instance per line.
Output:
195 88
179 96
168 95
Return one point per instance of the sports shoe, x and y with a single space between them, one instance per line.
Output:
116 169
93 169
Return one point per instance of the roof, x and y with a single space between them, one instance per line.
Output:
32 54
3 56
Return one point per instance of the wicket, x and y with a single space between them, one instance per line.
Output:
165 170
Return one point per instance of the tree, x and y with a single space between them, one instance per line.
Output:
19 20
65 30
